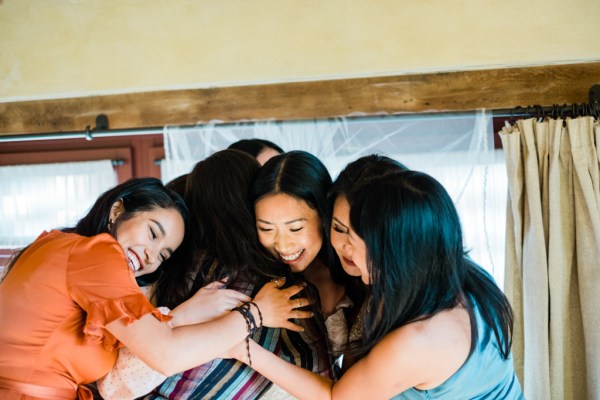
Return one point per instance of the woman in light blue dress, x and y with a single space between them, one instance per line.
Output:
436 325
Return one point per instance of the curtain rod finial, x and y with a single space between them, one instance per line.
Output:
594 100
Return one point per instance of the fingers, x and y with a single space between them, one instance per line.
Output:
297 315
299 302
215 285
278 282
293 290
238 296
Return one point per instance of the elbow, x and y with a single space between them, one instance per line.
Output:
162 362
164 367
165 370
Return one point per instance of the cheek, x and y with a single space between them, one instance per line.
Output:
265 241
314 239
335 241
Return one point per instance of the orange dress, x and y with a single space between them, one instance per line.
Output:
54 305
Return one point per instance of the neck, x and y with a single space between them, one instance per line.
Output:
315 271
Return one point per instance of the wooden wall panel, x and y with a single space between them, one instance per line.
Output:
503 88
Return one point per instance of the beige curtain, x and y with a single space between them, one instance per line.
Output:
553 255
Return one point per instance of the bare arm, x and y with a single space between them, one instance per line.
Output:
209 302
390 368
174 350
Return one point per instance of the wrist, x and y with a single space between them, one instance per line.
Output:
258 317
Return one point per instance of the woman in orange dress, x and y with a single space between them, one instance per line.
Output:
70 300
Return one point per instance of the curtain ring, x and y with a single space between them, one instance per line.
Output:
540 112
530 114
562 111
515 113
88 133
554 112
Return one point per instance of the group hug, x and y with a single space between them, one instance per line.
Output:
246 281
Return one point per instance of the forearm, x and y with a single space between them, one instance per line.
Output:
181 318
299 382
170 351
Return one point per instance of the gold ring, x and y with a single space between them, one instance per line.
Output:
276 281
299 302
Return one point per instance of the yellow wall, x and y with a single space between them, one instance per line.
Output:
60 48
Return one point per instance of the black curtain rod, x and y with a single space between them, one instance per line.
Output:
591 108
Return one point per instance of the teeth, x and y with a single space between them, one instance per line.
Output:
134 262
292 257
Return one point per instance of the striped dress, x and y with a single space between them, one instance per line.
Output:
230 379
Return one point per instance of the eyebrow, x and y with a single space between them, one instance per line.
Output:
339 222
285 223
162 230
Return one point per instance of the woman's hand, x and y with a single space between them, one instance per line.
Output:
210 302
278 308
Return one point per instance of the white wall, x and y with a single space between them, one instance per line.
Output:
61 48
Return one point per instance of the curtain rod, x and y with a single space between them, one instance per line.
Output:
591 108
101 129
86 134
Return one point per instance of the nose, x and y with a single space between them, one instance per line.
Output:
346 246
282 243
151 255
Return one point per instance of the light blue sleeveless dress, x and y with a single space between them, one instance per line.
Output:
485 375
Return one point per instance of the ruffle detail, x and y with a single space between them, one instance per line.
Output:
128 308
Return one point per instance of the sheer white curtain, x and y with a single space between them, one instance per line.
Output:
39 197
457 149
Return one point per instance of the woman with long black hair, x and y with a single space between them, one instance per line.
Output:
436 325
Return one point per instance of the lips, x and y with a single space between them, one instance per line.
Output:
290 258
349 262
133 260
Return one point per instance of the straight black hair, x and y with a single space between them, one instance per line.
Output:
224 242
356 173
301 175
416 260
366 167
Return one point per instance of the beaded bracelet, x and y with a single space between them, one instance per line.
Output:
251 326
259 313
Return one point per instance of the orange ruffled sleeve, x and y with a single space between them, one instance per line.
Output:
100 282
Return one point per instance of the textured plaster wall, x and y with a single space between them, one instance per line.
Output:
62 48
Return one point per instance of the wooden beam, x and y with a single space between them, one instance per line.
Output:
435 92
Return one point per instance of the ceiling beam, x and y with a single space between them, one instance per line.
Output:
501 88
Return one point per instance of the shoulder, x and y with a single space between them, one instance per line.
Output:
428 351
99 256
76 242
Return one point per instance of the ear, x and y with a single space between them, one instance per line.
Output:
116 210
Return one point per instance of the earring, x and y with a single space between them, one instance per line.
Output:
110 226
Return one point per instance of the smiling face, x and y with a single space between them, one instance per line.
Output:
289 229
148 237
350 248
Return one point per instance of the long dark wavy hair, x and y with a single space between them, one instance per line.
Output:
223 240
303 176
355 173
416 260
136 195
